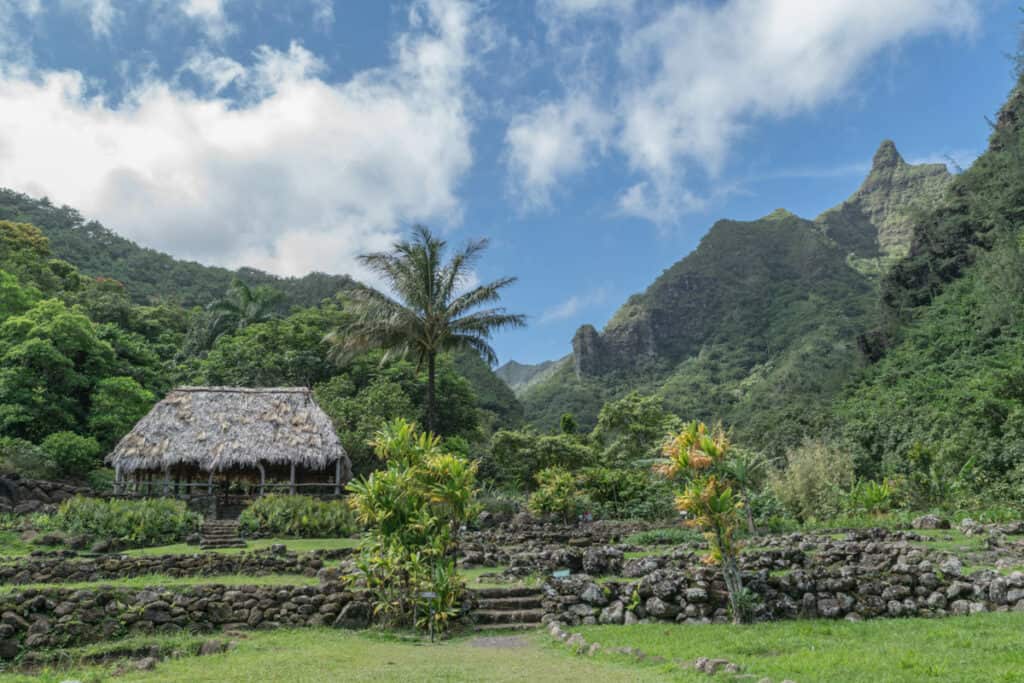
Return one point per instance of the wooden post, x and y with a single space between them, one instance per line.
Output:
117 480
167 483
263 477
292 488
337 477
209 484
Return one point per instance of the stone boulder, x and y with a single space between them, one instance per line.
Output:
930 522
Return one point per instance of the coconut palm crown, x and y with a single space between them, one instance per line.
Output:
432 310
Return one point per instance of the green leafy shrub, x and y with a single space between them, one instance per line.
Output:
668 536
134 523
623 493
814 483
870 497
557 494
73 455
415 510
18 456
298 516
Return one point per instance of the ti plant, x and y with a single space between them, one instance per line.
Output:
699 458
414 509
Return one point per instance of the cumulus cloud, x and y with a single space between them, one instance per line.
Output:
293 174
552 142
687 82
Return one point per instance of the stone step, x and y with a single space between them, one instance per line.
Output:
215 546
523 616
527 602
511 592
505 627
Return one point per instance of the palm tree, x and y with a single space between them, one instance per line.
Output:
429 313
242 306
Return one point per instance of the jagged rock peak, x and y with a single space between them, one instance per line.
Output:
887 156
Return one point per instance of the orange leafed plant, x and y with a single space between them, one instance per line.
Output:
698 457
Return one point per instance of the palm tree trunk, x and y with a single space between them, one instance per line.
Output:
431 398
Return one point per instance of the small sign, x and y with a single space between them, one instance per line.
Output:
561 573
428 595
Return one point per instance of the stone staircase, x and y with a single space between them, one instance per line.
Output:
507 609
220 533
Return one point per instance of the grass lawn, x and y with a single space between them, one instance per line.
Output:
950 540
472 578
985 647
164 581
299 545
316 655
11 545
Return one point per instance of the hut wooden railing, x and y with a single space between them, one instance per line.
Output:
161 483
144 489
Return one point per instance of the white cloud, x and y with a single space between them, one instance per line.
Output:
297 174
576 7
323 13
690 80
552 142
216 71
574 305
101 13
211 17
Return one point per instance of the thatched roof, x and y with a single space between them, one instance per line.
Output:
221 428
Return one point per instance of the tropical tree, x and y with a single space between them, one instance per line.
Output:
414 510
700 458
430 313
243 306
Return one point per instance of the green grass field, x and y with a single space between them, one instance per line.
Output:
315 655
972 649
987 647
164 581
299 545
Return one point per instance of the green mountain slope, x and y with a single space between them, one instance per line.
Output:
148 274
948 390
759 325
520 376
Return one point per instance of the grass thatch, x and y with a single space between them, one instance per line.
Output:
214 429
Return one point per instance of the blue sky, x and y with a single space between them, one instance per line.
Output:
593 141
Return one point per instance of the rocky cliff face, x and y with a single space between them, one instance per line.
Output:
743 270
878 219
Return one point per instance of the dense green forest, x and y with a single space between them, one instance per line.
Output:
81 360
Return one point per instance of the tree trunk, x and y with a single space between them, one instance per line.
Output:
431 397
750 517
733 581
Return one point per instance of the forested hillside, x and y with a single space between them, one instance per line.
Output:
946 398
83 356
150 275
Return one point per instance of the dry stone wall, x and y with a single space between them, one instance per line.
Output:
32 619
26 496
851 592
59 568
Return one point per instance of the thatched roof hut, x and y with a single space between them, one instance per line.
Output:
204 431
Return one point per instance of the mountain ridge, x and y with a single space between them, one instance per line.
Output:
751 311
